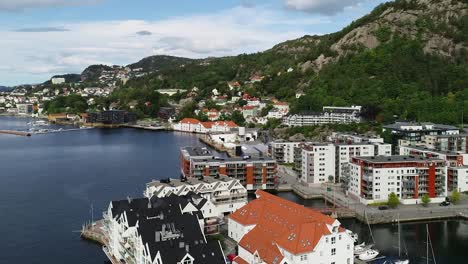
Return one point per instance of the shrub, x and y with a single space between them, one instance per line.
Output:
393 200
425 200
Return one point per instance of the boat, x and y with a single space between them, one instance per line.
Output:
400 260
361 248
369 254
40 123
428 242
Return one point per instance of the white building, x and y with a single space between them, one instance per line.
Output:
283 151
458 178
345 152
330 115
224 193
57 80
271 230
318 163
159 231
373 179
25 109
193 125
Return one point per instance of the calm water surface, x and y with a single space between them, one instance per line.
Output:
48 183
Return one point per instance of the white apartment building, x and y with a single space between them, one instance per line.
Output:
283 151
318 163
272 230
458 178
373 179
345 152
330 115
25 109
57 80
225 193
453 159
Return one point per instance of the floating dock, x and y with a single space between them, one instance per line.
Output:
16 133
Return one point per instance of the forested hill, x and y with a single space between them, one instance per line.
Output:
406 59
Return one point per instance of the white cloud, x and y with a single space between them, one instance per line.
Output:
14 5
325 7
229 32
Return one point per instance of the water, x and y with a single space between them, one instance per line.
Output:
48 183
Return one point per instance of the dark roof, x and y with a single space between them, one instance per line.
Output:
164 228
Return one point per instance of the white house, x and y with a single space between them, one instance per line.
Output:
272 230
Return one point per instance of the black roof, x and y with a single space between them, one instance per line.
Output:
164 228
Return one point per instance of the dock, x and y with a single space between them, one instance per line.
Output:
217 147
95 232
16 133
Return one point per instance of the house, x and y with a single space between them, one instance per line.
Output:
57 81
226 194
159 231
249 111
195 126
282 107
233 85
272 230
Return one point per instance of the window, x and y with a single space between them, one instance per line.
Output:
303 257
326 240
348 247
333 240
348 261
187 260
339 237
333 251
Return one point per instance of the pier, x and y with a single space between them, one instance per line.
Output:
16 133
144 127
95 232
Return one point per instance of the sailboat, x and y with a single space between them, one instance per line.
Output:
428 242
369 254
400 260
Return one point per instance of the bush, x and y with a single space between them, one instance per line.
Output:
425 200
393 200
455 196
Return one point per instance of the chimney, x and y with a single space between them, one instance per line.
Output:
129 199
157 236
187 247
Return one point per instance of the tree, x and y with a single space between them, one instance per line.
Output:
238 118
455 196
425 200
393 200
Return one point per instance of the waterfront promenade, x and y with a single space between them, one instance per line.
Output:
372 215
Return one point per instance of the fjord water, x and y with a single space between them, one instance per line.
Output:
48 183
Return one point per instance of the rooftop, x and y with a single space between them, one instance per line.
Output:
396 159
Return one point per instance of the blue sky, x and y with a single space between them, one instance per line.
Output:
42 38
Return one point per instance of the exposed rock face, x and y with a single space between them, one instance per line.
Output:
432 21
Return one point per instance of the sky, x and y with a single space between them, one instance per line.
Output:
42 38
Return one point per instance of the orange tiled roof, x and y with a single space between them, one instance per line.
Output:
189 121
280 222
208 124
239 260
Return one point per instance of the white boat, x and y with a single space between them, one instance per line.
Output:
361 248
369 254
400 260
405 261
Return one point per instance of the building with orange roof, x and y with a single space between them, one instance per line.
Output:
193 125
273 230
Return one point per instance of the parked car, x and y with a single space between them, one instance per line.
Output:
444 203
383 207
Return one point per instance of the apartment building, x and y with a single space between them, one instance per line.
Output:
329 115
411 133
225 193
457 178
283 151
452 159
450 143
409 177
272 230
346 151
348 137
317 163
252 172
159 230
